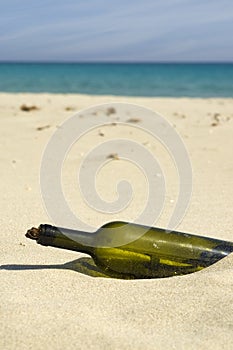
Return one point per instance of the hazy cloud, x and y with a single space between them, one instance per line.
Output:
116 30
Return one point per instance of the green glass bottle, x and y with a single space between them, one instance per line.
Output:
150 253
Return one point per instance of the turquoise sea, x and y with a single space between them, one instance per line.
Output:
129 79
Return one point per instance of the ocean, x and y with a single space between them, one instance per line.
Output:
128 79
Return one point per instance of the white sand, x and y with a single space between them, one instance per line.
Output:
47 306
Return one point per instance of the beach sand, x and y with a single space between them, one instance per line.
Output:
51 300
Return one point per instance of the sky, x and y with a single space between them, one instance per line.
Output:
116 30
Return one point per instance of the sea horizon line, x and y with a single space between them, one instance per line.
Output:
112 62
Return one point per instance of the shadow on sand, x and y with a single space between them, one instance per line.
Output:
85 266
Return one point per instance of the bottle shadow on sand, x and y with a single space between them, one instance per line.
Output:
85 266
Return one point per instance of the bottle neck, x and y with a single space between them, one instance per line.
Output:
65 238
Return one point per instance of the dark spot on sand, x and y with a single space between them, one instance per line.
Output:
29 108
43 127
70 108
216 118
133 120
183 116
113 156
110 110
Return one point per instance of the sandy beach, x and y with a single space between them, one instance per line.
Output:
49 297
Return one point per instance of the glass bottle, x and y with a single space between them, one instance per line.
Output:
148 252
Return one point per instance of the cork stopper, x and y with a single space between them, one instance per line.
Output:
33 233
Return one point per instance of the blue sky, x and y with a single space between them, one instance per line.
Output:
122 30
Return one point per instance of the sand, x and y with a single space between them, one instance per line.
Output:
49 297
